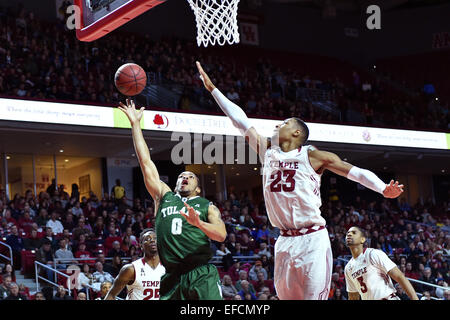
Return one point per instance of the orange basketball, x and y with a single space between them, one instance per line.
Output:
130 79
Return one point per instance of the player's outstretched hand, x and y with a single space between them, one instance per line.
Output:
133 115
191 216
205 78
393 190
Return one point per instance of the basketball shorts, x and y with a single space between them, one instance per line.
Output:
201 283
303 266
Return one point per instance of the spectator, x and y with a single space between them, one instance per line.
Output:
5 287
237 297
257 267
54 223
225 254
338 295
426 277
45 256
15 241
401 293
61 294
80 229
243 276
64 255
77 211
114 267
42 218
101 276
233 272
261 283
33 242
81 296
116 250
39 296
228 289
104 288
245 290
447 295
112 237
14 293
264 291
83 253
264 250
426 295
117 192
8 271
85 279
52 188
49 235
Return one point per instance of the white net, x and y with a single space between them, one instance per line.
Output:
216 21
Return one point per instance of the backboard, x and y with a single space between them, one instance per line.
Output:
99 17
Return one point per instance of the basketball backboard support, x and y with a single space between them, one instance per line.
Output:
99 17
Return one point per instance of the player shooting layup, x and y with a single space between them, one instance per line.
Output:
143 276
368 273
185 223
291 182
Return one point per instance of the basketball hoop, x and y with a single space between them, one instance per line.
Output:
216 21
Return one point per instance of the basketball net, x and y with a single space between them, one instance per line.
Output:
216 21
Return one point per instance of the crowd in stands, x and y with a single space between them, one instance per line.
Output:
102 234
43 60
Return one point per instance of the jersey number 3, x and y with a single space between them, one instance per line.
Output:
362 284
287 185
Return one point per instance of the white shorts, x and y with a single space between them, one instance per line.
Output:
303 266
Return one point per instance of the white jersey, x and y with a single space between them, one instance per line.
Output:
291 189
146 281
368 275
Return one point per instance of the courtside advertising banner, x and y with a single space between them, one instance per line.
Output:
87 115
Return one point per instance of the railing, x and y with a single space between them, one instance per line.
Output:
218 259
10 258
38 276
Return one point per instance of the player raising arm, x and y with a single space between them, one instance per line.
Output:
185 224
292 174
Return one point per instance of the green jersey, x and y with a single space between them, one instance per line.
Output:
181 246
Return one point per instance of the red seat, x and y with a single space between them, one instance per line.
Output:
28 258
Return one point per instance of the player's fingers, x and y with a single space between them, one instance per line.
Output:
121 104
184 214
142 109
186 205
199 66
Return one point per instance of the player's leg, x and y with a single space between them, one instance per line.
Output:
170 287
315 265
288 280
202 283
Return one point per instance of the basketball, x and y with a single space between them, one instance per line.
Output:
130 79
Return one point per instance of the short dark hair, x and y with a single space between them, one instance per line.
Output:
363 231
141 235
305 129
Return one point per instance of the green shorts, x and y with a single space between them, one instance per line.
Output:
201 283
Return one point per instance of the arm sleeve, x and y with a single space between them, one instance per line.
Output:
367 178
233 111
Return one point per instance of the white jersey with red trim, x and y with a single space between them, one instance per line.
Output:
146 281
291 189
368 275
